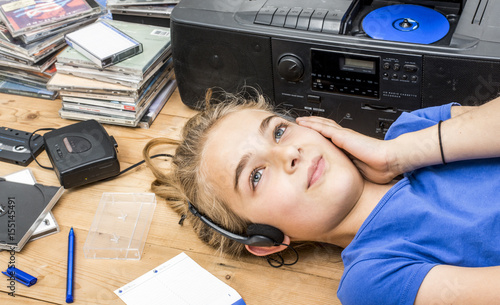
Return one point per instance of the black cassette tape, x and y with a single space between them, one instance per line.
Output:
14 146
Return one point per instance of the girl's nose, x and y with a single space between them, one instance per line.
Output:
288 156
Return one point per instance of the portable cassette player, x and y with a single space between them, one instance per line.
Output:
359 62
82 153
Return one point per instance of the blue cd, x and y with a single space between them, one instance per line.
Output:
406 23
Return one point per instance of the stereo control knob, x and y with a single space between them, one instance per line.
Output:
290 68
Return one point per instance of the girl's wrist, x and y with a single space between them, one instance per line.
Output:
395 158
404 157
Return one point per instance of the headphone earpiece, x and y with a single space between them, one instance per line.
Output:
258 234
274 234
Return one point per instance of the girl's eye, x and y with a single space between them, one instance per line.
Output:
279 130
255 177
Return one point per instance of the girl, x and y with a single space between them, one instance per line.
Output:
429 238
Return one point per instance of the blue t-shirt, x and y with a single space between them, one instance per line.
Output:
443 214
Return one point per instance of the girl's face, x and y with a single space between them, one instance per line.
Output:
275 172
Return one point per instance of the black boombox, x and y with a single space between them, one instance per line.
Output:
358 62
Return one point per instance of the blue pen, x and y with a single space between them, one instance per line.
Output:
71 266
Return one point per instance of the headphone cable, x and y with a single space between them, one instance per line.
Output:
141 162
275 263
31 150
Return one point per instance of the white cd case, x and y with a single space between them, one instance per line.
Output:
103 44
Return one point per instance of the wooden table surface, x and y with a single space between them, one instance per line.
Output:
313 280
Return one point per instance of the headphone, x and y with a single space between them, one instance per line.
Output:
257 234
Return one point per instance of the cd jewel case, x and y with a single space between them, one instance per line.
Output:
120 226
104 44
23 207
25 15
49 224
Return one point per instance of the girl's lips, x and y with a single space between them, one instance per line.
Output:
315 171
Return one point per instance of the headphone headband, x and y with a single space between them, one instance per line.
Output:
260 238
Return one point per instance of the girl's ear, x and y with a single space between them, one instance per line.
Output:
263 251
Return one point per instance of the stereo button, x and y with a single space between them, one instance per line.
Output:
292 17
410 68
333 22
280 16
317 18
265 15
314 99
304 18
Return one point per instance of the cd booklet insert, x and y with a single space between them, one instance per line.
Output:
104 44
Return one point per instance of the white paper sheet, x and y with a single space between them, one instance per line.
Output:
179 281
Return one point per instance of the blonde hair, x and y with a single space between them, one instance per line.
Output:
185 181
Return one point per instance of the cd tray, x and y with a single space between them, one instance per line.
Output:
450 9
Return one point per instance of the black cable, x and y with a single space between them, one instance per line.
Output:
31 150
141 162
52 168
281 261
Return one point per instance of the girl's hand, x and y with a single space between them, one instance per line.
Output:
372 157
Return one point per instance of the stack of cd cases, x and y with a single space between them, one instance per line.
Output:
31 34
121 93
154 12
